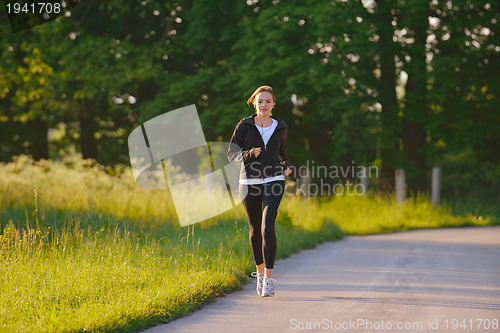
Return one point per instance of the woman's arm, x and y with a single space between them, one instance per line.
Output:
283 157
235 151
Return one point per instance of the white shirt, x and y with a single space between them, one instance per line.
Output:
255 181
266 133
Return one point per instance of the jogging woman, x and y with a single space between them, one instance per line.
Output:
259 142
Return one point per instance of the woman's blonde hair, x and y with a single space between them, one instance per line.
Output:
259 90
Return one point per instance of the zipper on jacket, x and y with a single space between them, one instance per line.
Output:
262 141
265 148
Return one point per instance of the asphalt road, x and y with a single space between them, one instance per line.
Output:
445 280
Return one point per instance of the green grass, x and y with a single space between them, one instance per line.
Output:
82 248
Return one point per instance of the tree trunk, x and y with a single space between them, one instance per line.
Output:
498 193
39 144
414 142
88 142
416 113
389 146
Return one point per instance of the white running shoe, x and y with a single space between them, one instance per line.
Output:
268 290
260 282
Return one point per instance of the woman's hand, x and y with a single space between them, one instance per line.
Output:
256 151
288 171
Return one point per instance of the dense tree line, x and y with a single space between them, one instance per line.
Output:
402 84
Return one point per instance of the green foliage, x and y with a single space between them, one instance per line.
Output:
335 67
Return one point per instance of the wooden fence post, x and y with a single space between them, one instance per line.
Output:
304 182
364 180
436 185
400 185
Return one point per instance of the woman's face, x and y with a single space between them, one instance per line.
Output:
264 103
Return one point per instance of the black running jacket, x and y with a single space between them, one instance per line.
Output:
272 160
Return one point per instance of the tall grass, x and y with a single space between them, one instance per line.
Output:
378 214
82 248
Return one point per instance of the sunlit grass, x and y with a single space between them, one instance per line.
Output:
378 214
99 280
82 248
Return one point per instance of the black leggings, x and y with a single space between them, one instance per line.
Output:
261 204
